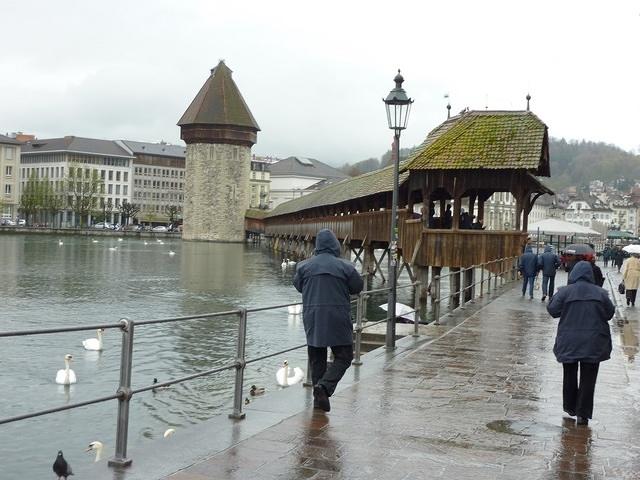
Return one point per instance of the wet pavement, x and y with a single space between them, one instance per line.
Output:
477 398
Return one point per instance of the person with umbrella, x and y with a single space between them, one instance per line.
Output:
631 273
583 339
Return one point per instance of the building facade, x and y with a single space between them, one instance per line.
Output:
9 172
55 159
158 180
259 184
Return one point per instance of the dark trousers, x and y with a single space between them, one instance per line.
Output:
631 296
548 281
578 397
528 281
329 377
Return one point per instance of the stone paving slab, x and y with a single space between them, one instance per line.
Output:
481 402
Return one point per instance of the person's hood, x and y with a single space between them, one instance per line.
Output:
582 271
326 242
528 249
548 249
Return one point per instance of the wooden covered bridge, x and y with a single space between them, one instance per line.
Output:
461 163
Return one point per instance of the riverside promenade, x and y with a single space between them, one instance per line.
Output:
478 397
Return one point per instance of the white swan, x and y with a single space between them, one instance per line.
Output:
113 249
94 343
119 239
290 262
284 263
168 432
60 242
95 447
94 241
146 243
171 252
286 375
295 309
66 376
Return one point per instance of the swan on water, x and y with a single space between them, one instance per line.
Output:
284 263
287 375
290 262
113 249
146 243
94 343
94 241
60 242
119 239
95 447
168 432
60 467
255 391
295 309
171 252
66 376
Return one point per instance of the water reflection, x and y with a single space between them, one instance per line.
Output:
629 339
574 452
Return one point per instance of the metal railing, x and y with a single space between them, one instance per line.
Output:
124 392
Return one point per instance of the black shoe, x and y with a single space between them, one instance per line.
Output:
543 298
321 399
628 302
582 421
571 413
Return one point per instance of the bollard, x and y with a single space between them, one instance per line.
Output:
436 304
124 396
240 366
308 381
356 356
416 307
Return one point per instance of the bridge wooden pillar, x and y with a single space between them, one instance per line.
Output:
469 275
368 260
454 287
422 275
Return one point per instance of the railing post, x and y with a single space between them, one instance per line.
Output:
358 340
495 278
238 414
416 307
436 304
124 396
502 272
482 279
462 289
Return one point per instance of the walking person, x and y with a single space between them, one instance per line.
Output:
326 282
618 258
631 278
528 268
583 339
548 262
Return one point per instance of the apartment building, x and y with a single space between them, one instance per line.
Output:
54 157
9 166
158 179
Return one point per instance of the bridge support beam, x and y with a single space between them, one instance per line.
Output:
422 276
454 287
368 262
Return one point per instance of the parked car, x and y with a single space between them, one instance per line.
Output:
103 225
160 228
8 222
134 228
22 222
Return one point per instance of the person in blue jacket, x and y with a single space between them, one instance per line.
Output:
528 268
327 282
583 339
548 262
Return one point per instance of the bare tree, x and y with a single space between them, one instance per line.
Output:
82 189
128 210
172 212
30 198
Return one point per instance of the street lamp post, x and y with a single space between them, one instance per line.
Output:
398 106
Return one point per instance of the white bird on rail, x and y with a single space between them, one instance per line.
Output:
287 376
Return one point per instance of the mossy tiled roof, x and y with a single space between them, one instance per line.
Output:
349 189
485 139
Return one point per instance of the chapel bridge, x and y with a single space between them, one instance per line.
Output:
462 162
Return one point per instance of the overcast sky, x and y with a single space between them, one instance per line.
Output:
314 73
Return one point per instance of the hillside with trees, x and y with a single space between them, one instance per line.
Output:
572 163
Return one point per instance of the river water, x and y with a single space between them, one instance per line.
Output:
44 284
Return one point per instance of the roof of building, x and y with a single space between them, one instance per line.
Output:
219 102
9 140
305 167
160 149
71 143
492 139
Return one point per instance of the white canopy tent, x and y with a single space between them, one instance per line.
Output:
551 226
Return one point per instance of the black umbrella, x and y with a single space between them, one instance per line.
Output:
579 249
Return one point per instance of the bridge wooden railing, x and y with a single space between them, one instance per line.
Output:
425 247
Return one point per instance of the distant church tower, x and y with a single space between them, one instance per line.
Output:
219 131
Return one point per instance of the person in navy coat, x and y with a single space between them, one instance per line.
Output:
548 262
528 268
327 282
583 339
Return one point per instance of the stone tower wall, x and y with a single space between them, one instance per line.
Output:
216 192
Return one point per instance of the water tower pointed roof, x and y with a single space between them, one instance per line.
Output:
219 102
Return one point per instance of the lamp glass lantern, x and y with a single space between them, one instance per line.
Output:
398 106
